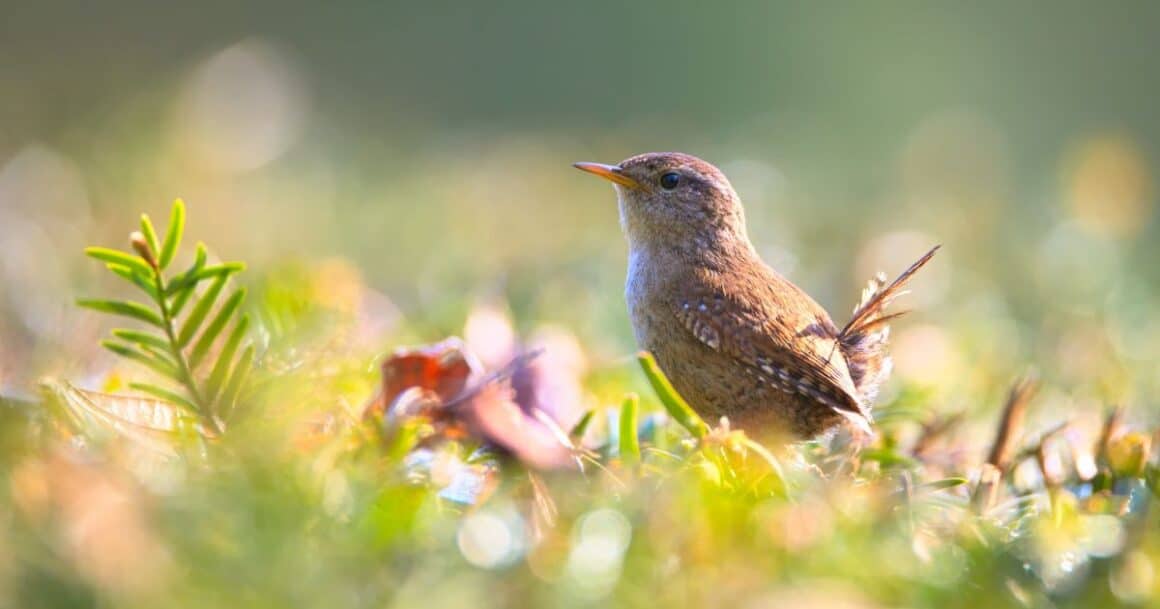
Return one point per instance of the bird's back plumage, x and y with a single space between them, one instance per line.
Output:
799 369
739 340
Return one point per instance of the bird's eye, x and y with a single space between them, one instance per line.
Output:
669 181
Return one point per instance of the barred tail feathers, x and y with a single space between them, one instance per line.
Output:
864 339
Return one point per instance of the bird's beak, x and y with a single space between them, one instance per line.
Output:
612 173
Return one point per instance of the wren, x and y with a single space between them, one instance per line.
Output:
735 338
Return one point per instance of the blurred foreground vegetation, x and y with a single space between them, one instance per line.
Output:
285 477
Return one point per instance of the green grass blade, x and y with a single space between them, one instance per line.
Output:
173 233
581 426
676 406
215 327
159 366
125 259
141 338
200 310
943 484
131 309
770 460
165 395
629 442
135 278
222 366
237 380
150 234
888 458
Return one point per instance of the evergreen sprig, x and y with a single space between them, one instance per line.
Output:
201 350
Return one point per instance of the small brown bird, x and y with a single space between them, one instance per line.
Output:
735 337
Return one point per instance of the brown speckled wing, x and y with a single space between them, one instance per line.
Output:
793 349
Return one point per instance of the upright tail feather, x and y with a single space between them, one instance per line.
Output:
863 341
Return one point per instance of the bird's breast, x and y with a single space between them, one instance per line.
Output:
650 285
643 293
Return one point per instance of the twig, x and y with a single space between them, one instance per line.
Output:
935 429
1112 423
987 490
1014 411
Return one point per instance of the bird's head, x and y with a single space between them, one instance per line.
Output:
673 199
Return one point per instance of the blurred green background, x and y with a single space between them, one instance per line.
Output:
394 173
424 149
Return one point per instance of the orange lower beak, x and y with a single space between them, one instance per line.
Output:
612 173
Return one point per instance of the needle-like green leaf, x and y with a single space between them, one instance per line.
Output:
222 366
215 327
125 259
237 379
200 256
141 338
173 234
150 234
143 282
159 366
181 281
191 277
127 308
166 395
164 355
182 286
178 303
200 310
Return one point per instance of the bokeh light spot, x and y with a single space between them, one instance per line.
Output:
600 539
486 541
925 354
1110 189
242 109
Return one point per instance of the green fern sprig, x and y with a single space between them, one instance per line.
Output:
177 343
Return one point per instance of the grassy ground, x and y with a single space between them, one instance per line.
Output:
302 488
